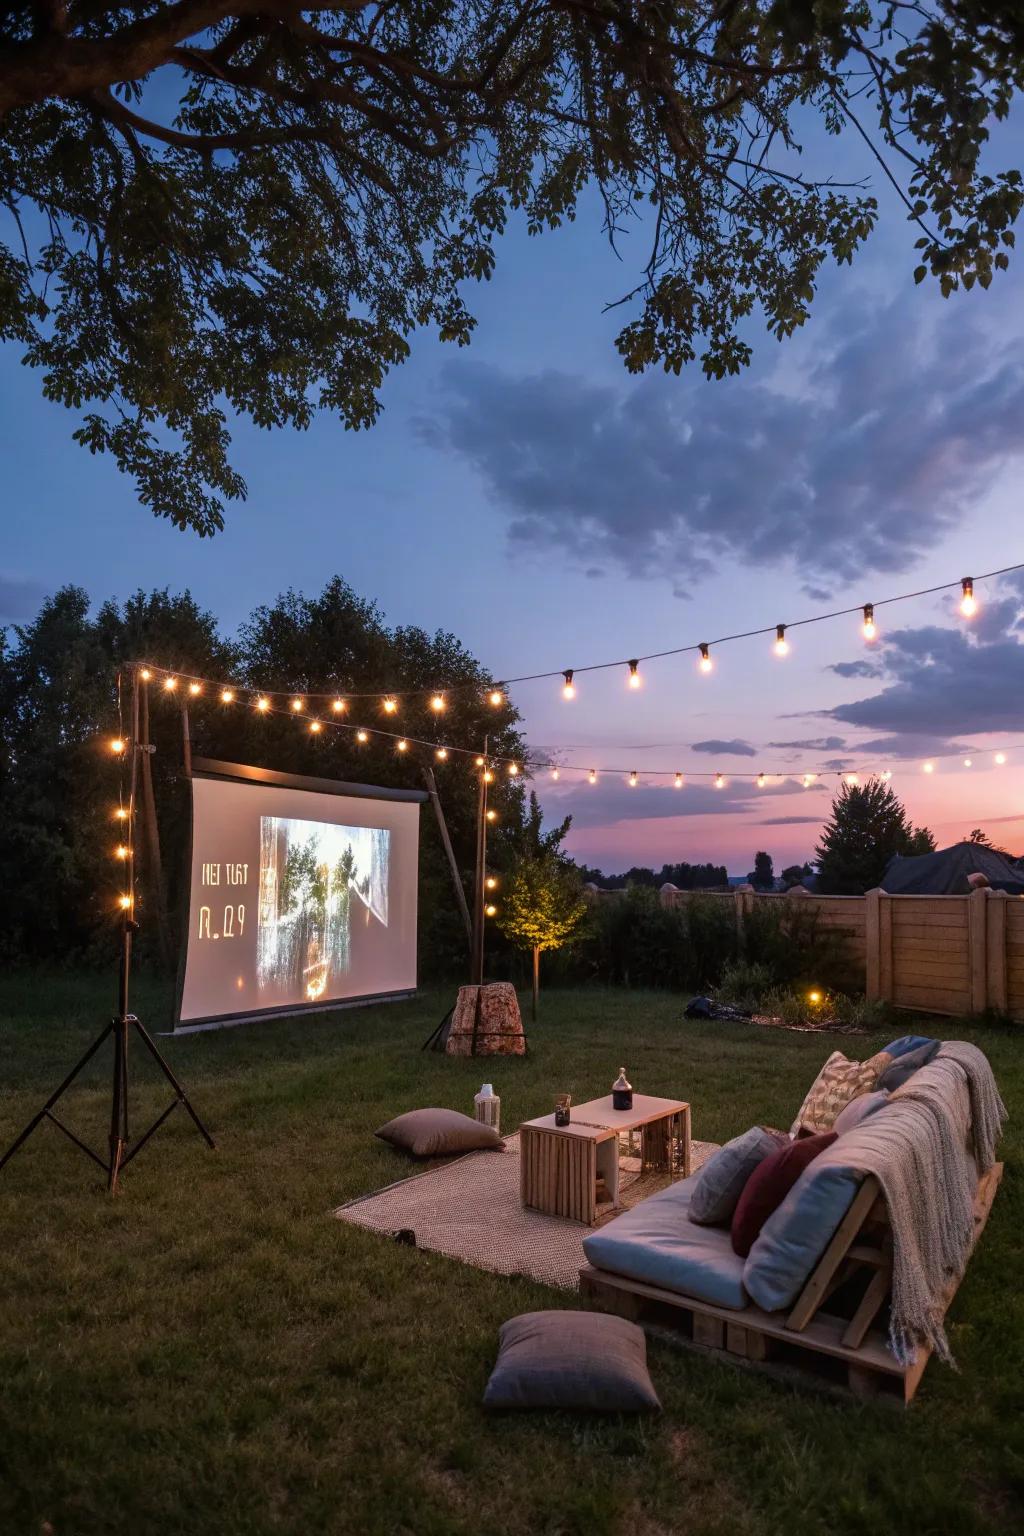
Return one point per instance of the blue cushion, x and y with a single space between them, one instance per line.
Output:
907 1043
657 1244
904 1067
796 1235
859 1109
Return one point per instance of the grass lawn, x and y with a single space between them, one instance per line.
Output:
213 1353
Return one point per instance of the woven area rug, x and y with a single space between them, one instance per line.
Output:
470 1210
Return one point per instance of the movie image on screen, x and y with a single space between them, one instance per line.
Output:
299 896
311 874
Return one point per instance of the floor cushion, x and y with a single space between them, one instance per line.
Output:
859 1109
768 1186
439 1133
836 1084
657 1244
721 1180
576 1360
903 1068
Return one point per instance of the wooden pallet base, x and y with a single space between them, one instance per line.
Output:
817 1348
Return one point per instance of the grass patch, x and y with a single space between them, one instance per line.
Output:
212 1353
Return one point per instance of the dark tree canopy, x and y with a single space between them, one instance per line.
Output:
868 827
762 876
250 205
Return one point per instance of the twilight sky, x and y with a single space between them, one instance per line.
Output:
551 510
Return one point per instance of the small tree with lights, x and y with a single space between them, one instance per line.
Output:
543 905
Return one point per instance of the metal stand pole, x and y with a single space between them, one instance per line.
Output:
480 887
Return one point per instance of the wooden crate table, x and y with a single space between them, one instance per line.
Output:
560 1164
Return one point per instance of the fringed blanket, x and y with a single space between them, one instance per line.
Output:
920 1150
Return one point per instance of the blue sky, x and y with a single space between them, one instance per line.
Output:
552 511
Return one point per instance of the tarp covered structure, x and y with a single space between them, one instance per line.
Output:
945 872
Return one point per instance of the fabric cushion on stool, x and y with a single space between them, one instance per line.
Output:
576 1360
439 1133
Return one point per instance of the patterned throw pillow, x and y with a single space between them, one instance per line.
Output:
836 1084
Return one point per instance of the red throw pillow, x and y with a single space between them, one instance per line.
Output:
769 1184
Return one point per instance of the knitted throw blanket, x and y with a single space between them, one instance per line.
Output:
917 1150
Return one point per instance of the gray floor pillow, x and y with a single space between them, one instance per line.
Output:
439 1133
720 1182
578 1360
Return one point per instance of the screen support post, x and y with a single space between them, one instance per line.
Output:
120 1150
480 883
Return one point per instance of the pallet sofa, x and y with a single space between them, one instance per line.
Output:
811 1297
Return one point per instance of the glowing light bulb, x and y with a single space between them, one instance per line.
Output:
809 779
338 706
315 727
390 706
554 773
441 754
491 883
402 746
634 674
480 762
968 602
195 689
120 814
632 778
1000 758
492 815
705 662
569 687
869 629
761 781
885 775
679 781
118 744
490 910
124 902
262 705
592 777
719 781
781 643
513 769
968 762
488 776
145 674
298 705
227 696
170 683
814 996
852 779
437 703
496 697
927 767
362 736
120 852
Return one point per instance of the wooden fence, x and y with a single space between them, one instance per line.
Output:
932 954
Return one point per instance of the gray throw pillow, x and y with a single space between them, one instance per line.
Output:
577 1360
904 1067
859 1109
439 1133
721 1181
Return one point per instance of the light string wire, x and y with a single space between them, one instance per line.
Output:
632 662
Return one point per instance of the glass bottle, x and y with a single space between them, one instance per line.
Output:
487 1107
622 1092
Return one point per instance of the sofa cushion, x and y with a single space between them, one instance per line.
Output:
903 1068
575 1360
720 1182
769 1184
797 1233
657 1244
439 1133
836 1084
858 1109
907 1043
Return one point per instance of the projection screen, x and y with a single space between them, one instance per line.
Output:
302 895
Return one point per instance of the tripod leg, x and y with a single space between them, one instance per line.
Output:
183 1098
51 1101
117 1107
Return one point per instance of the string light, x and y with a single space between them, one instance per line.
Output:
227 696
852 779
492 815
885 775
338 706
488 776
491 883
679 781
496 697
145 674
1000 758
362 736
480 762
298 705
195 689
437 703
968 602
124 902
390 706
262 705
315 727
760 781
719 781
809 779
120 814
927 767
592 776
441 754
705 662
569 687
554 773
968 762
781 643
634 674
632 777
490 910
870 630
402 746
170 683
513 769
118 744
121 852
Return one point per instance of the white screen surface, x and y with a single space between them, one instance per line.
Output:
298 898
